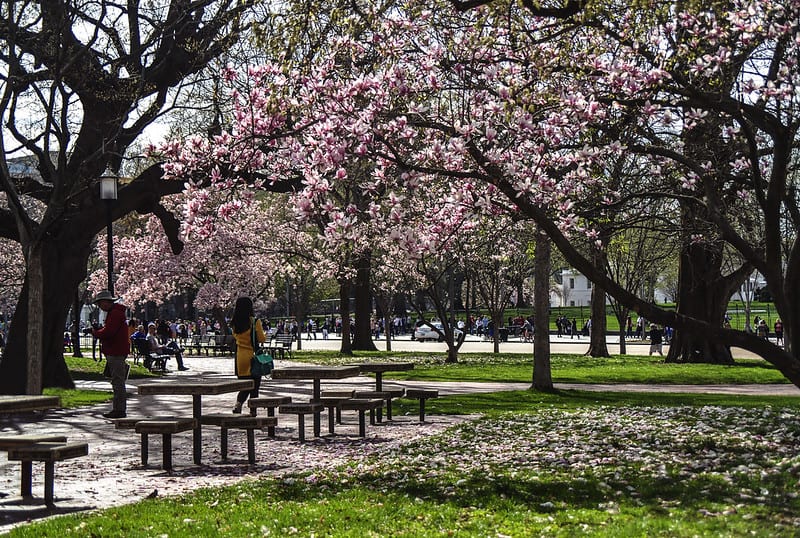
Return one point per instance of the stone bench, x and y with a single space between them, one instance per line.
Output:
301 410
332 395
270 403
422 395
49 453
387 395
238 422
334 406
362 406
129 423
166 427
16 441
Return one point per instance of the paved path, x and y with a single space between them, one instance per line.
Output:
113 474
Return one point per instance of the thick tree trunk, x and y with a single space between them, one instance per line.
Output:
344 312
362 292
63 268
542 374
703 293
75 327
597 335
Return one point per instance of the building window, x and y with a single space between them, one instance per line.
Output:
572 303
588 284
572 284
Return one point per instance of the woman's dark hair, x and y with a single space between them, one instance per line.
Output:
242 312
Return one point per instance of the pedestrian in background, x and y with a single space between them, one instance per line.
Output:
115 345
244 322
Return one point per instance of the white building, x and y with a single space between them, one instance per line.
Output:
574 289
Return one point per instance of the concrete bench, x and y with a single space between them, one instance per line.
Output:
387 395
422 395
129 423
270 403
238 422
166 427
49 453
334 406
301 410
362 406
332 400
16 441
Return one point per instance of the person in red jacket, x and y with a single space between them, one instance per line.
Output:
115 346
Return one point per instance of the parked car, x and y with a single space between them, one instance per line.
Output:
424 332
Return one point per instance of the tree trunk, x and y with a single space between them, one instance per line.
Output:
362 334
497 321
35 337
703 293
344 312
75 327
597 335
63 264
542 374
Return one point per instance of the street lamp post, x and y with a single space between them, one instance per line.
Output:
108 192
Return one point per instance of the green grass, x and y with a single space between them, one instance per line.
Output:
494 403
566 368
566 463
88 369
562 464
71 398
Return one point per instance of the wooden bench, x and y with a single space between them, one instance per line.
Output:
387 395
201 343
362 406
166 427
238 422
282 346
422 395
150 360
301 410
49 453
224 344
270 403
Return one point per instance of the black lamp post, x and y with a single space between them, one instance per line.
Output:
108 192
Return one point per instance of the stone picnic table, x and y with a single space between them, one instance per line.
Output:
378 368
23 403
316 373
197 389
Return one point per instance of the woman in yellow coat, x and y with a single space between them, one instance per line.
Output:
243 323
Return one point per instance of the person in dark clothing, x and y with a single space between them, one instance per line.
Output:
656 339
114 344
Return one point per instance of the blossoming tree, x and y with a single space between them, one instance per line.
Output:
536 108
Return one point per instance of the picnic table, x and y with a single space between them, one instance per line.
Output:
23 403
378 368
316 374
197 389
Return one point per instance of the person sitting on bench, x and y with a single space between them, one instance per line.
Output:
170 349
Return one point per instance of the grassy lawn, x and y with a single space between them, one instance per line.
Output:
564 464
567 463
88 369
566 368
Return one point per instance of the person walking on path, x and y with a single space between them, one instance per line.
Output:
656 339
114 344
244 322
